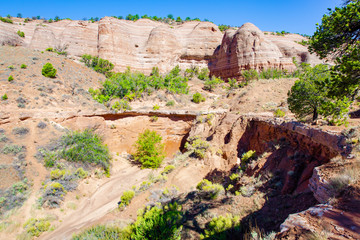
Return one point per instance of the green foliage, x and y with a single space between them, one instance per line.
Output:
103 233
203 74
168 169
23 66
170 103
156 107
158 223
11 67
222 227
126 198
81 173
310 96
197 146
121 105
235 84
57 174
4 97
14 149
149 150
210 190
250 74
50 159
85 147
211 84
191 72
279 113
98 64
36 226
10 78
247 156
50 49
198 98
48 70
132 85
6 20
21 34
223 27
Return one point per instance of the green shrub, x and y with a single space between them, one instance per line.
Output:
198 98
222 227
50 49
21 34
98 64
57 174
250 74
48 70
4 97
50 159
126 198
81 173
223 27
197 146
279 113
203 74
121 105
149 150
11 67
10 78
14 149
6 20
85 146
248 155
211 84
168 169
23 66
36 226
210 190
170 103
102 232
156 107
158 223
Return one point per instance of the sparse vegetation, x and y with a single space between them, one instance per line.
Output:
279 113
35 227
198 98
23 66
212 83
4 97
98 64
21 34
48 71
149 149
197 146
126 198
210 190
222 227
10 78
6 20
14 196
170 103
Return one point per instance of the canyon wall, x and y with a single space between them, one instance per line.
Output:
144 44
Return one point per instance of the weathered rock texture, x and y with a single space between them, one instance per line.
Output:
145 43
249 48
292 147
141 45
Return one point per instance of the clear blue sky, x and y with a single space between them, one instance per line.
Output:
289 15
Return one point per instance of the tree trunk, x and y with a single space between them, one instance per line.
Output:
315 114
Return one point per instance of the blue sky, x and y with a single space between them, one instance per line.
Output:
289 15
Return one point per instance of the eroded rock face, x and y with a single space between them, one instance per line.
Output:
249 48
141 45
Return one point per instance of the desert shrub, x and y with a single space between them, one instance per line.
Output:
3 138
168 169
250 74
48 70
21 34
50 159
53 194
203 74
222 227
156 107
102 232
41 125
158 223
20 131
14 196
149 150
81 173
11 67
57 174
4 97
191 72
338 183
14 149
36 226
126 198
50 49
246 157
10 78
197 146
198 98
211 84
131 85
23 66
170 103
223 27
279 113
98 64
6 20
121 105
210 190
85 147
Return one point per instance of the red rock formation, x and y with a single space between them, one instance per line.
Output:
249 48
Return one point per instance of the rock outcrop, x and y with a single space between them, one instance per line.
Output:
249 48
141 45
